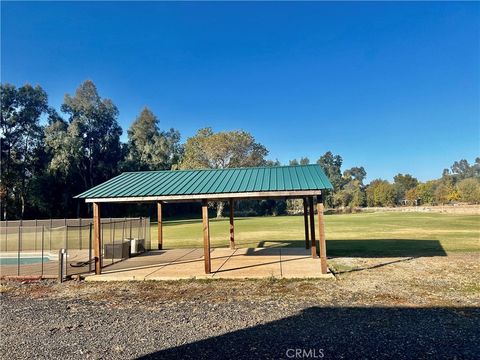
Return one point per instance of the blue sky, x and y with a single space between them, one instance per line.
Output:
394 87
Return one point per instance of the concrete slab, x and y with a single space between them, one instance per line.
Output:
226 264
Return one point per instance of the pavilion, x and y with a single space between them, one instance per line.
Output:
233 184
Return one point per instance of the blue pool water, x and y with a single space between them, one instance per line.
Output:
23 260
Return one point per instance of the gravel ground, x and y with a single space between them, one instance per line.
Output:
377 308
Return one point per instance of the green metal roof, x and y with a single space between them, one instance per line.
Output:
147 184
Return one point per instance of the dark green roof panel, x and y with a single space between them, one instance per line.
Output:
211 181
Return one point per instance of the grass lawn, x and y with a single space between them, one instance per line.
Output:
364 234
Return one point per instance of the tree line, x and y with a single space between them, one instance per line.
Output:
50 155
459 183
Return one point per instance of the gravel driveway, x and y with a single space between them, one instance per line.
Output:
378 308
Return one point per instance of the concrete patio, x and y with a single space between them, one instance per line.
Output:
241 263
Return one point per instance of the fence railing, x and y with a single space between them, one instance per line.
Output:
31 247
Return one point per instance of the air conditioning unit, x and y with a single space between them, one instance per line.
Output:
117 250
137 246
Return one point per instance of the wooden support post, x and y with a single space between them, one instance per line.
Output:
232 227
97 238
159 225
321 235
305 221
206 238
312 228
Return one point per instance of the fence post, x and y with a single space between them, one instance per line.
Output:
90 248
50 233
80 232
18 249
145 233
6 237
43 230
66 245
61 253
112 241
139 227
130 221
35 240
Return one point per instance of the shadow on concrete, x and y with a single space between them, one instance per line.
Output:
366 248
344 333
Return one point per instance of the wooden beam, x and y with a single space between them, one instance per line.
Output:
211 197
321 235
97 238
313 246
159 225
232 227
305 221
206 238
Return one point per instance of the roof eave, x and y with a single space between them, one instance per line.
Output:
210 197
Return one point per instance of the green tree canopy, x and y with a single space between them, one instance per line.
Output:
92 137
355 173
402 183
148 147
380 193
20 144
85 150
332 165
469 190
225 149
426 192
304 161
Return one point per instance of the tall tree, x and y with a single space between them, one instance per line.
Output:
380 193
402 184
355 173
332 165
148 147
272 162
20 144
86 148
469 190
462 169
222 150
426 192
225 149
304 161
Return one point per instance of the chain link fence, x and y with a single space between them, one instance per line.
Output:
32 247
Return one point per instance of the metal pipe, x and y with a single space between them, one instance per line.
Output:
18 249
43 231
112 241
60 264
66 245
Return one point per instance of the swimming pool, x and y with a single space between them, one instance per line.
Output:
23 260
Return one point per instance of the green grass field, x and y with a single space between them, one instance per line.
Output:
363 234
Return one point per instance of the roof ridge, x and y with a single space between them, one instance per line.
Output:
214 169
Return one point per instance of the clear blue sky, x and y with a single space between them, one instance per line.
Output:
394 87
